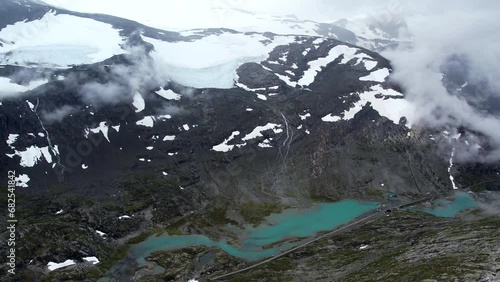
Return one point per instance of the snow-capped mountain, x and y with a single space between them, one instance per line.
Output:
73 53
101 115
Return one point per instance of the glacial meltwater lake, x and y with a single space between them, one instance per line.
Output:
290 224
287 225
443 208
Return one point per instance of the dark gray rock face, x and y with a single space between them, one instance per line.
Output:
109 160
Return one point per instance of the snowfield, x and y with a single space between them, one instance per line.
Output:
211 61
8 88
59 41
386 106
32 155
378 75
168 94
347 54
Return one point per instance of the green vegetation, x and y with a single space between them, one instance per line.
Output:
254 213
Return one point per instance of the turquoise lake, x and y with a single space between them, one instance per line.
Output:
290 224
462 201
287 225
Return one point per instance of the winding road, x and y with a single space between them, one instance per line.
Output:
362 219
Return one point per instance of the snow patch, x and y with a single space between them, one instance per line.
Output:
304 116
262 97
286 79
139 103
54 265
257 132
168 94
101 128
334 53
22 180
169 138
369 65
378 75
8 88
32 156
12 139
224 147
93 260
331 118
386 106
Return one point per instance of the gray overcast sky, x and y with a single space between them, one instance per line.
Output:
184 14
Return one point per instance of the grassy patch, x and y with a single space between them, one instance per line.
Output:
256 213
281 264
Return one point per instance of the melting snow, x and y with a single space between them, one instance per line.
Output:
59 212
189 64
257 132
331 118
59 40
316 65
169 138
287 80
168 94
224 147
54 265
22 180
124 217
139 103
249 110
369 65
93 260
378 75
8 88
186 127
262 97
304 116
100 233
243 86
265 144
392 109
12 139
32 155
149 121
101 128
